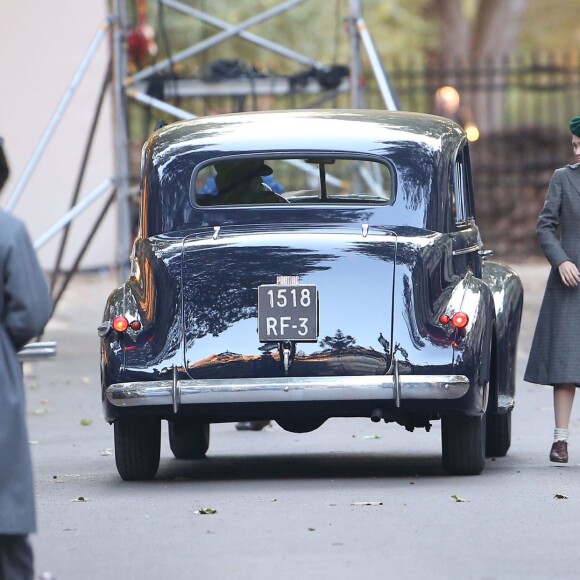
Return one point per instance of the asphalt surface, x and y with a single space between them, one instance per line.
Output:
352 499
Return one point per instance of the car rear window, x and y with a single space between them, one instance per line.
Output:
305 180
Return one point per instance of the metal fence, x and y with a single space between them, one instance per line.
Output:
522 107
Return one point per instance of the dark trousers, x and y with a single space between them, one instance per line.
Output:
16 561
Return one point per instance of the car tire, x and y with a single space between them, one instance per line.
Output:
137 448
463 444
188 439
498 436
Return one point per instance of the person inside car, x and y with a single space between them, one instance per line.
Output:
241 182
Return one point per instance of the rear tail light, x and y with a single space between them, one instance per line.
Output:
120 323
459 319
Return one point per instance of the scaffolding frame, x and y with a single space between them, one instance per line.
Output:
127 87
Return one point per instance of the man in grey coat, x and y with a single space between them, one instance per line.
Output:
25 307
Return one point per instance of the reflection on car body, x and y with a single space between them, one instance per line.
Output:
359 289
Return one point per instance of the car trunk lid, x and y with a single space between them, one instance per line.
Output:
348 271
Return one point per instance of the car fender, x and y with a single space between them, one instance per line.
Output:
472 344
508 296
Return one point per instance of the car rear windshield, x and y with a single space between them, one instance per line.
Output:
305 180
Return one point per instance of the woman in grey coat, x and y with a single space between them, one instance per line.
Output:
555 354
25 307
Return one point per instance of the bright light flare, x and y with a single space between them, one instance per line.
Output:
472 131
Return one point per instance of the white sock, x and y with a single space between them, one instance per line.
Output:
561 435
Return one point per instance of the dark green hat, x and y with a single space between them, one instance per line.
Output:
575 126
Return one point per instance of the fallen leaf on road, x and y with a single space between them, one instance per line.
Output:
372 437
458 499
85 422
367 503
560 496
203 511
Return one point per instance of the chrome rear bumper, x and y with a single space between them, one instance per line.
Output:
287 389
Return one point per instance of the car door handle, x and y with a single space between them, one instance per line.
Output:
486 253
466 250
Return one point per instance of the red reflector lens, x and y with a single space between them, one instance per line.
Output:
135 325
460 320
444 319
120 324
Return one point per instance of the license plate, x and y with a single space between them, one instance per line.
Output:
287 313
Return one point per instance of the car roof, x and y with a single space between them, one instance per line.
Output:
354 130
419 148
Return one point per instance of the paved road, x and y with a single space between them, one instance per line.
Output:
289 506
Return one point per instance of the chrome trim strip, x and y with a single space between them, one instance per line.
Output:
282 389
396 385
469 249
175 391
36 350
505 402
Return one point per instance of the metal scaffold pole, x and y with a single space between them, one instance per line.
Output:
356 88
57 117
122 160
134 88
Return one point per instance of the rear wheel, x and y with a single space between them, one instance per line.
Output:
188 439
498 436
463 444
137 448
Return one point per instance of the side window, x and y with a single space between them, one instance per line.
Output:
460 189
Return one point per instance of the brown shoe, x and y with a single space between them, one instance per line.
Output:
559 452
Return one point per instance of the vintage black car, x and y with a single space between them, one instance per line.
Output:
302 265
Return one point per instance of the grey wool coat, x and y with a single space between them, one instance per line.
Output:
555 353
25 307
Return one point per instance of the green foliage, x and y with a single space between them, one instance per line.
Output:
315 28
551 25
400 28
405 33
